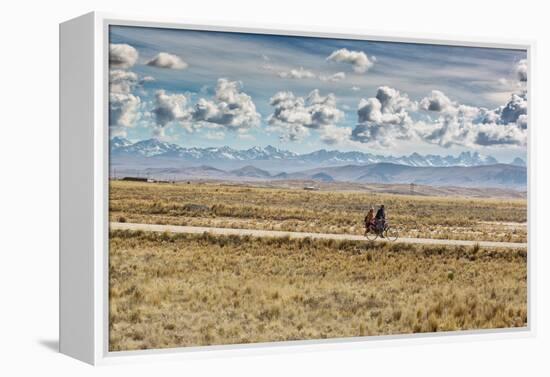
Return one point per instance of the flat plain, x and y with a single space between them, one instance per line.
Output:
178 289
298 210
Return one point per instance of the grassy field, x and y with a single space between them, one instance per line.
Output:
316 211
187 290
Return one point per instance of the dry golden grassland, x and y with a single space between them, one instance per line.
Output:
216 205
173 290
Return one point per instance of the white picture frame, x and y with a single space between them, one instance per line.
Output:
84 140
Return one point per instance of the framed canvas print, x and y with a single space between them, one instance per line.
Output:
234 189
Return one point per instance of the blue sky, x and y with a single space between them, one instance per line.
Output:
197 88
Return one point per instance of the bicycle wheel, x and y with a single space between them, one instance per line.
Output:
391 234
371 236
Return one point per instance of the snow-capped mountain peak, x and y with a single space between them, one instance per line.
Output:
154 148
120 142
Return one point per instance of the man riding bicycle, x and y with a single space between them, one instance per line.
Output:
380 220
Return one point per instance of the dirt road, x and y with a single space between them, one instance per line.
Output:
276 233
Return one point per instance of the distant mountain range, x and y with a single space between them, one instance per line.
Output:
153 149
162 160
496 176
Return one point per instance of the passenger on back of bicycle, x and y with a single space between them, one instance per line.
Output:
369 220
380 221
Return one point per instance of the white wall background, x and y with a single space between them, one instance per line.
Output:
29 183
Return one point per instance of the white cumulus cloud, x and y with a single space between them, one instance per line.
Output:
521 70
459 124
437 119
299 73
359 60
334 77
123 112
121 81
170 108
294 116
230 108
122 55
388 107
169 61
512 111
437 101
124 106
384 118
333 135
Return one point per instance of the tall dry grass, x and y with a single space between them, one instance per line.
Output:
188 290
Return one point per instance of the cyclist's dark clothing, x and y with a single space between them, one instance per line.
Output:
381 214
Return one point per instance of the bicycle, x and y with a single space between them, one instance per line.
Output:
390 234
